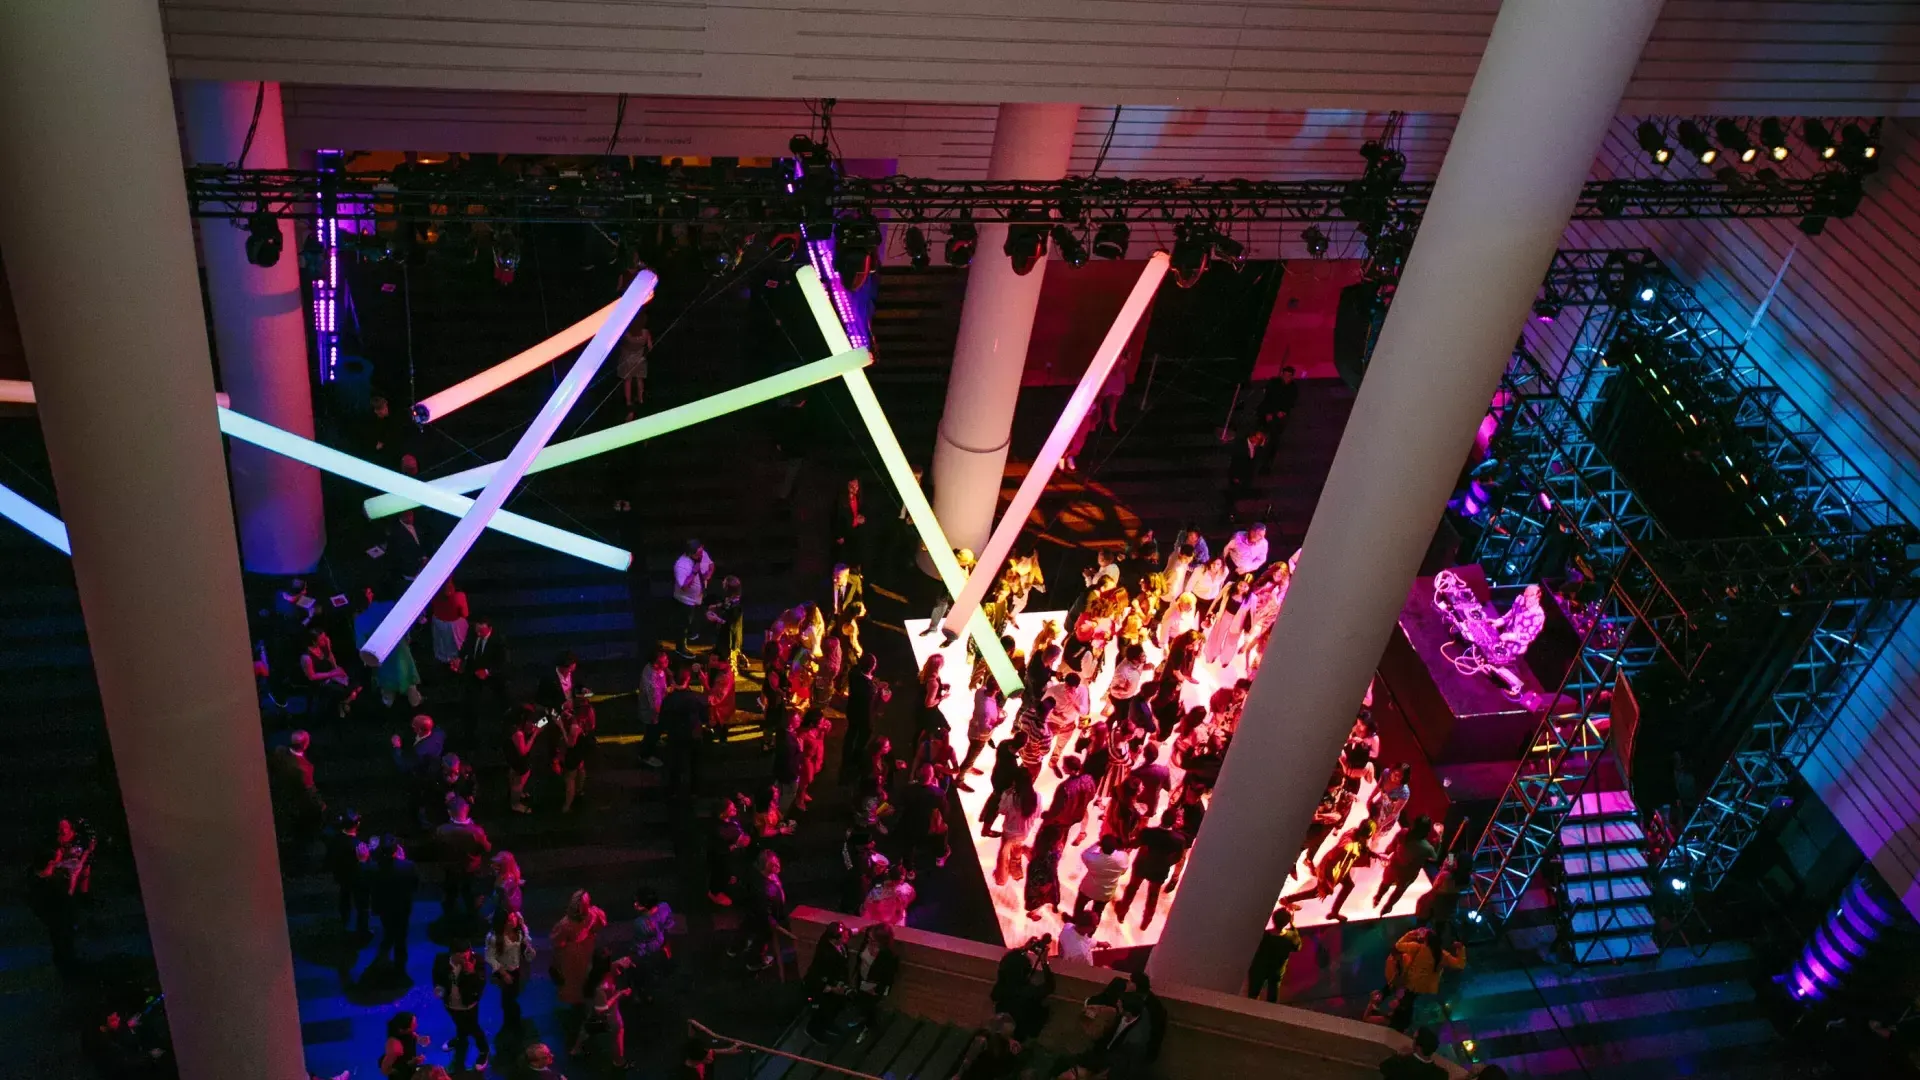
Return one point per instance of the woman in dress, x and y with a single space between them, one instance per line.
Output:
814 728
520 739
572 939
1224 636
933 691
720 687
603 1016
401 1058
507 883
1020 812
326 680
1043 872
448 617
579 743
632 369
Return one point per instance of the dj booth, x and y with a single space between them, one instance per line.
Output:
1461 719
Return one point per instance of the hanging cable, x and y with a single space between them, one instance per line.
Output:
259 100
619 118
1106 143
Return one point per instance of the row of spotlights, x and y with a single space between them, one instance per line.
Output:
1855 146
1196 244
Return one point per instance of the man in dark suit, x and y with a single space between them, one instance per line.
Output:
391 888
844 590
1242 468
297 806
419 762
684 715
556 683
1418 1064
482 665
1277 403
463 848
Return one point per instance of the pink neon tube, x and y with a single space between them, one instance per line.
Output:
513 467
1015 519
468 391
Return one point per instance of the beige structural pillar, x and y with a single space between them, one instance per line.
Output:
1548 85
93 218
260 333
1030 142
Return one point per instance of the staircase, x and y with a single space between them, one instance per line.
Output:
1604 888
897 1047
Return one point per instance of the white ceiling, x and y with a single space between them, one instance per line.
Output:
1723 56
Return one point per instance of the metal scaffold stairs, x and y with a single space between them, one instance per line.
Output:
1604 890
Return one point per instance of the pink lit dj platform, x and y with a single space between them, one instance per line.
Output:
1009 900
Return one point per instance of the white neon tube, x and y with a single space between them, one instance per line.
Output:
512 468
468 391
327 459
967 601
15 508
900 471
20 392
647 427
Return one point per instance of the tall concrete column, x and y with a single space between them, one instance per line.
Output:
1548 86
93 218
1030 142
260 331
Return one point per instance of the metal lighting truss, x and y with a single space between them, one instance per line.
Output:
486 193
1567 484
1847 553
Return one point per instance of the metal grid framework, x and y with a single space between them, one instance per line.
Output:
486 193
1841 546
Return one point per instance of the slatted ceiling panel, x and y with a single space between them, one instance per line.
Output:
1843 56
1841 337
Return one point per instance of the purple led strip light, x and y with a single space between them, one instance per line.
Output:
820 253
326 289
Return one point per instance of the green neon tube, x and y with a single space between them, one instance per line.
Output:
647 427
919 511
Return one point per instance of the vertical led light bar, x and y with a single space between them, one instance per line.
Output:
514 466
15 508
967 601
647 427
326 282
820 252
469 390
327 459
894 460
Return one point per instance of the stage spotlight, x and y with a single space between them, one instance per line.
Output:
1548 307
1315 240
1857 148
1773 136
1678 884
1072 251
1653 142
854 244
916 244
1647 293
1475 916
1229 250
1026 245
962 239
1110 242
1734 138
1695 142
263 238
1192 247
1819 139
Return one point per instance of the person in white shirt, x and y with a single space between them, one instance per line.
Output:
1076 939
1106 864
1071 706
988 708
1247 551
691 572
1129 676
509 956
1206 582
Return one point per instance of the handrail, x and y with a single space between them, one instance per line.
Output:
815 1062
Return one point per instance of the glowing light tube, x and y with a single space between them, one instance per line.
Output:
894 460
468 391
20 392
512 468
327 459
17 509
647 427
967 601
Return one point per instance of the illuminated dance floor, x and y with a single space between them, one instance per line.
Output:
1009 900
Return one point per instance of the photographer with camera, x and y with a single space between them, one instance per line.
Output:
1023 984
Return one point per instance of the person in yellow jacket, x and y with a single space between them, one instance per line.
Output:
1414 968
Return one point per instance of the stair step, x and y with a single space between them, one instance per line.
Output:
1605 834
1614 920
1623 947
1602 804
1604 863
1602 891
